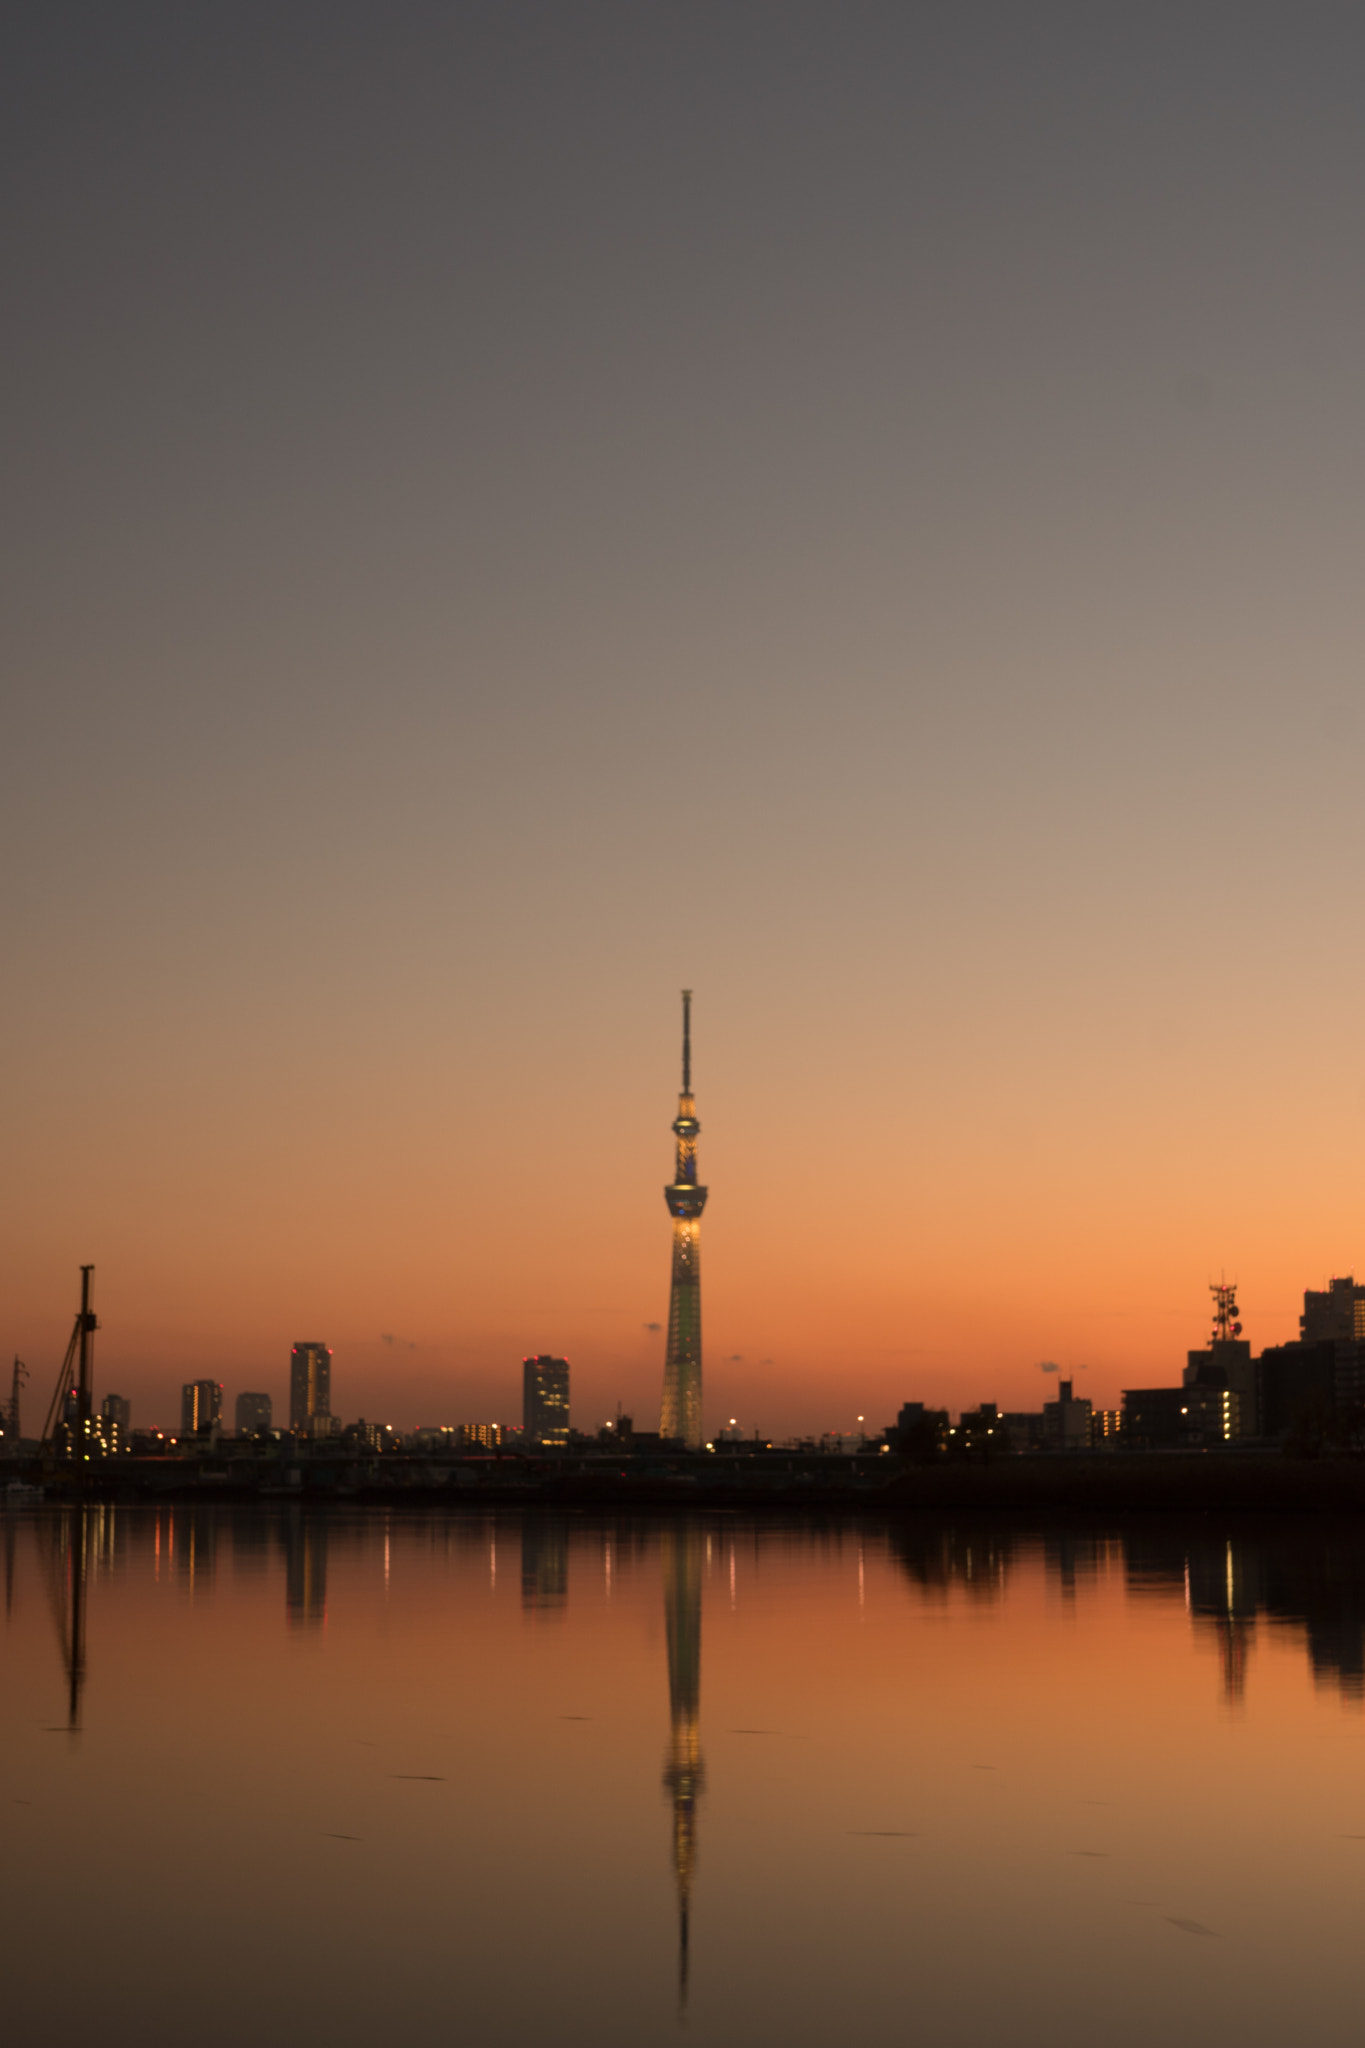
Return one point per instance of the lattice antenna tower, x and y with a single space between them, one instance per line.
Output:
1226 1314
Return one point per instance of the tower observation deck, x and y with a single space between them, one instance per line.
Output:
681 1415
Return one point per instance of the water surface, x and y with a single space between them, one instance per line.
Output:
339 1777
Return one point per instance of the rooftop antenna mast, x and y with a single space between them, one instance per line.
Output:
1226 1314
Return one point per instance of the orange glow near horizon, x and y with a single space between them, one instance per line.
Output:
899 1251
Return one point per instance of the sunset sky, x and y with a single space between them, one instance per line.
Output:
515 509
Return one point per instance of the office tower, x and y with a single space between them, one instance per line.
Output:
545 1399
201 1405
253 1414
681 1413
310 1388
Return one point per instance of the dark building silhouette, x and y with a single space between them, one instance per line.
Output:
545 1399
1311 1389
253 1414
1316 1387
1226 1366
1336 1315
1023 1427
1171 1418
1297 1387
1066 1421
310 1389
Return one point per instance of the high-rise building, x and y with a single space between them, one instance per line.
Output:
545 1399
201 1405
680 1417
253 1414
310 1387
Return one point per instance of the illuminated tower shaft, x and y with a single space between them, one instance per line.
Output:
681 1416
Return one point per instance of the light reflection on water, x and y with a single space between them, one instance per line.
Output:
335 1776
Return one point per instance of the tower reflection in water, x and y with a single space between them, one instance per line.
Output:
304 1538
684 1773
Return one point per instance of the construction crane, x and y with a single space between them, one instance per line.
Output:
12 1421
69 1416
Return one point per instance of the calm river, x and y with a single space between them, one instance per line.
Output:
382 1778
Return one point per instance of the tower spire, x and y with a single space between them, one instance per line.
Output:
687 1041
680 1417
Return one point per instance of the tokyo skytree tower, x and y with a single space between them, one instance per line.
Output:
681 1415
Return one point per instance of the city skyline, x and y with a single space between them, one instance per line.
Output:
1333 1313
1226 1390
